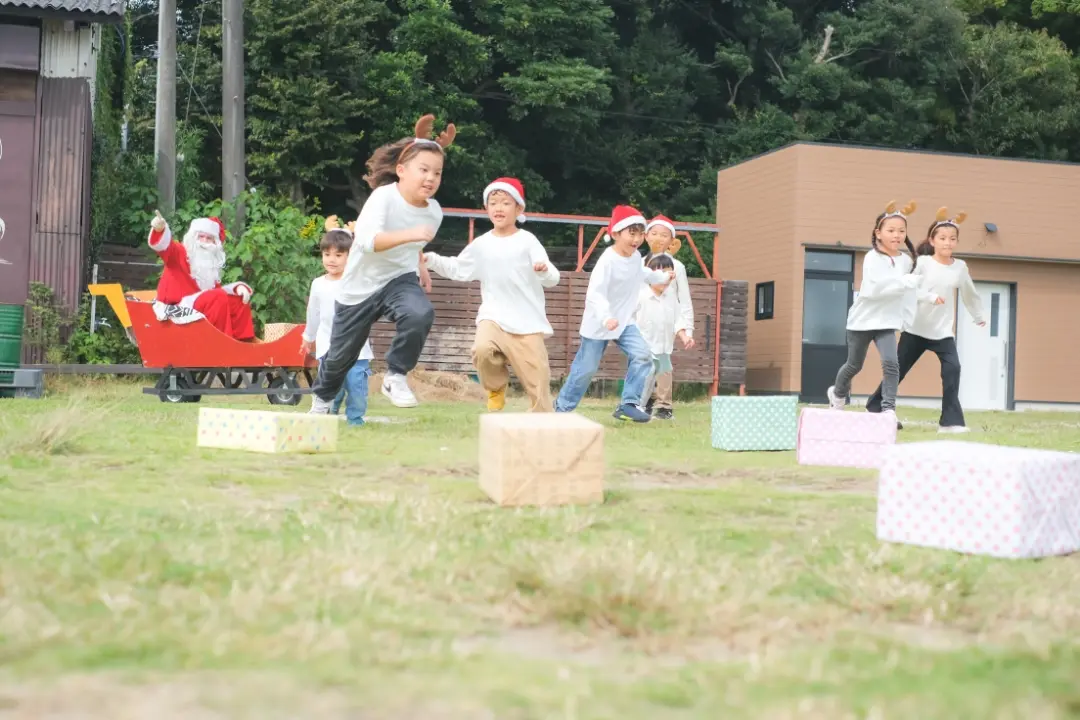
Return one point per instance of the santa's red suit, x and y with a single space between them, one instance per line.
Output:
190 288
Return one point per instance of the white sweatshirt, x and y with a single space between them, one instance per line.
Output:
935 322
682 291
886 295
659 319
614 288
368 271
320 316
511 292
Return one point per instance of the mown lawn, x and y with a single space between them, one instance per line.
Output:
143 577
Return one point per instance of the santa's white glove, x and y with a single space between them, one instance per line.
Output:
158 223
244 292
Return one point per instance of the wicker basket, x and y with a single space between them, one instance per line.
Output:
276 331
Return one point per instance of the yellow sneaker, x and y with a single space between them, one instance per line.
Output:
496 400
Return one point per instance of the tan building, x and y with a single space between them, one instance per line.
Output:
796 223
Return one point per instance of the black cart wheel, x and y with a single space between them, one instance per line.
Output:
181 384
283 398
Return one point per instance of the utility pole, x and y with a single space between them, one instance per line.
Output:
165 111
232 102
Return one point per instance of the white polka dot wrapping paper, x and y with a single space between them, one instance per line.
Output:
980 499
838 438
267 432
754 422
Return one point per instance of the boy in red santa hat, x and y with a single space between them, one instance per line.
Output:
513 269
190 288
610 301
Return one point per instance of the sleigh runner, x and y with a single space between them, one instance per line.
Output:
193 355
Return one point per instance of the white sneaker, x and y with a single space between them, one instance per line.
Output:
320 406
835 403
397 389
953 429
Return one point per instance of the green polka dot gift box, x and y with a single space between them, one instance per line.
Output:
755 422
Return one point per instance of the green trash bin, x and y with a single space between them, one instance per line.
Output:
11 330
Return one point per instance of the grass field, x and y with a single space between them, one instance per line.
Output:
143 577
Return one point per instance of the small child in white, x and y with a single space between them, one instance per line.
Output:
659 318
610 301
511 324
335 246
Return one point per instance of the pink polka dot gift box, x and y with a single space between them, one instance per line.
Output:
980 499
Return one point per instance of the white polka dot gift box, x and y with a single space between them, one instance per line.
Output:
267 432
981 499
836 438
755 422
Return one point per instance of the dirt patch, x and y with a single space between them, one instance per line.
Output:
789 480
438 386
202 697
555 645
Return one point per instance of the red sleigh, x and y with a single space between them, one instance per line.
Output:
193 356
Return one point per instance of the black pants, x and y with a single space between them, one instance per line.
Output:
401 301
911 348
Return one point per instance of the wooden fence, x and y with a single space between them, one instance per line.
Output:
450 344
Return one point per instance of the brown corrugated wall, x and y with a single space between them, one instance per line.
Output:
837 193
62 216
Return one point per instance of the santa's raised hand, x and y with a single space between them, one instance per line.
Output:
158 223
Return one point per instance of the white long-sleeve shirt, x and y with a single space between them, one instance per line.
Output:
320 317
886 295
614 287
368 271
682 293
511 291
659 319
935 322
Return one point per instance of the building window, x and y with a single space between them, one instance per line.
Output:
763 302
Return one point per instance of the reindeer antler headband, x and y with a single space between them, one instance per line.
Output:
891 211
423 129
942 218
333 223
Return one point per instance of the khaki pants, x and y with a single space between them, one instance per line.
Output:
662 393
494 348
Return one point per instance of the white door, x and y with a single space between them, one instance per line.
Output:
984 351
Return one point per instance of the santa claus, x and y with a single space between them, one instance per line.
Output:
190 288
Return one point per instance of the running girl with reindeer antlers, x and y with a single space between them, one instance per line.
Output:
382 277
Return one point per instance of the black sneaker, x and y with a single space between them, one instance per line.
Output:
649 405
663 414
631 412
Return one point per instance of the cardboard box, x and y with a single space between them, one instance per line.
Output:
266 431
541 459
768 422
982 499
837 438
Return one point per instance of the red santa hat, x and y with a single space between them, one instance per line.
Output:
622 217
513 188
663 222
210 226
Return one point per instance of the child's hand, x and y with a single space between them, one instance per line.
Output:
540 267
611 324
158 223
670 275
938 300
687 341
425 277
307 347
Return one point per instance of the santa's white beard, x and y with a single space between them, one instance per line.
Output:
206 264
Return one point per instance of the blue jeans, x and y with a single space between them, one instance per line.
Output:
354 393
587 362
